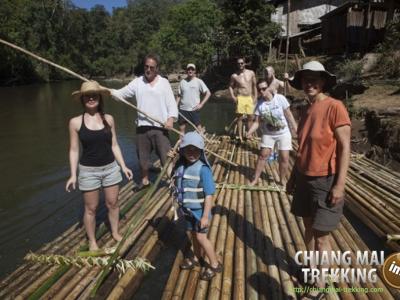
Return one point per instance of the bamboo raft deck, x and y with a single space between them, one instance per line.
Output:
254 233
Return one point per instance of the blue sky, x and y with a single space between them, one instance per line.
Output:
108 4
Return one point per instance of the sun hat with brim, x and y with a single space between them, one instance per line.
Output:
313 66
90 87
194 139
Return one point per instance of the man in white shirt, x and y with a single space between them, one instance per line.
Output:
188 99
154 97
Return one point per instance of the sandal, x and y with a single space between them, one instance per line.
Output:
189 263
210 272
140 187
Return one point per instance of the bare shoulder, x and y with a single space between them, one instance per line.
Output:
75 122
251 72
109 119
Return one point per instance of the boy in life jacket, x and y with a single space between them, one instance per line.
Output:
194 187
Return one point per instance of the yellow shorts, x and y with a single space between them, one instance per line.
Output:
245 105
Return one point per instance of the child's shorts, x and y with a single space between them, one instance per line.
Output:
92 178
192 218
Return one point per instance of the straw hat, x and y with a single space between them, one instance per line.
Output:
313 66
90 87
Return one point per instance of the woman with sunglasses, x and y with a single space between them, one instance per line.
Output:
101 160
278 127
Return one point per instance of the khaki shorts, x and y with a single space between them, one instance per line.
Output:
311 199
245 105
92 178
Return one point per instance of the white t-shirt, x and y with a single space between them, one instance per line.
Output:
157 101
272 116
190 91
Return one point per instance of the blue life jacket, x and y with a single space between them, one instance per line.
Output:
189 187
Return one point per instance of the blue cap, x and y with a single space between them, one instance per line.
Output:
194 139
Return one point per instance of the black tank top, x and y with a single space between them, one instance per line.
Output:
96 146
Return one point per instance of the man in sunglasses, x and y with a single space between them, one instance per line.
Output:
188 99
243 90
154 97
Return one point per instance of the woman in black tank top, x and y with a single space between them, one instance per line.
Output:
97 166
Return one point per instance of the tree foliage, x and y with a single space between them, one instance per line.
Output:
187 34
248 28
98 43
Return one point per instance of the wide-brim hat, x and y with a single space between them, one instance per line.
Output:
313 66
91 87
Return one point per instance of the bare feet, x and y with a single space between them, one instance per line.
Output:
93 246
117 237
253 182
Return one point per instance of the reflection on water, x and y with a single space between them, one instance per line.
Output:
34 208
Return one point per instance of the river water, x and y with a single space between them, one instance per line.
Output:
34 207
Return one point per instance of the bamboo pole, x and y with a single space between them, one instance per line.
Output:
68 287
44 273
228 272
64 284
195 127
85 79
215 286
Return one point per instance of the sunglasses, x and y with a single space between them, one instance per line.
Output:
151 68
240 63
263 89
91 96
189 69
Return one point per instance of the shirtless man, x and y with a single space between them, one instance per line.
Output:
276 85
243 90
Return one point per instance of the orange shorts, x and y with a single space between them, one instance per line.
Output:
245 105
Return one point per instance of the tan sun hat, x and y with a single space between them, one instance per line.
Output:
313 66
90 87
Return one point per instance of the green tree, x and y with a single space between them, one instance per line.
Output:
248 28
187 34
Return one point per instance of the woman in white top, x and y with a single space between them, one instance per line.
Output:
278 126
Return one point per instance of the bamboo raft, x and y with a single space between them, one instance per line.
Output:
254 233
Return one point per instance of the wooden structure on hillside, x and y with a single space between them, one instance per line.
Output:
333 26
356 26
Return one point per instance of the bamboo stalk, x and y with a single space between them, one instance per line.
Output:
195 127
227 279
126 285
46 288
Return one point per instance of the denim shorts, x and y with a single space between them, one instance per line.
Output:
192 218
92 178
